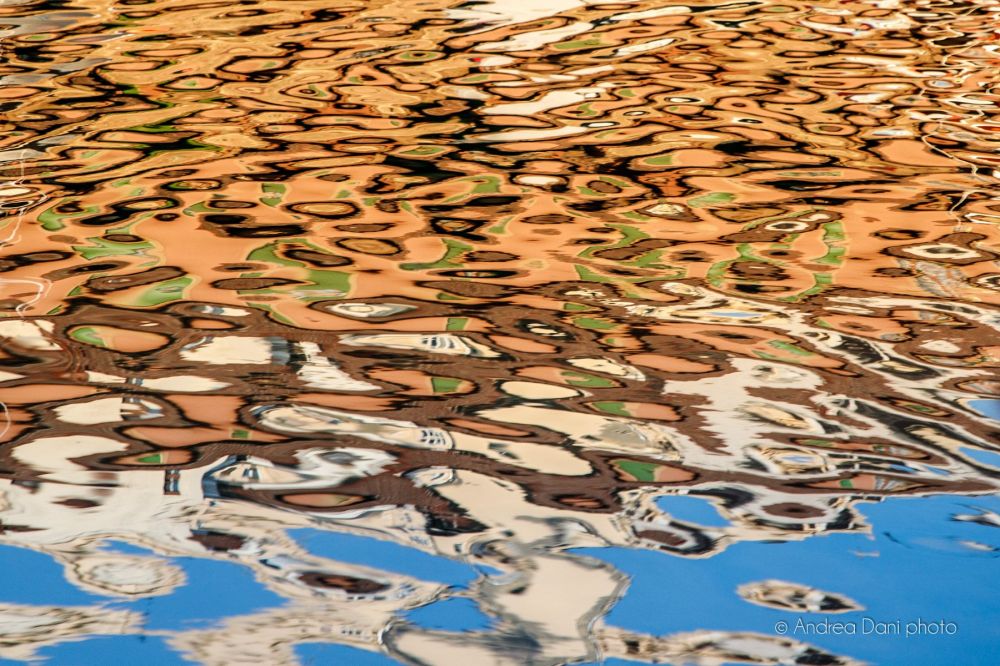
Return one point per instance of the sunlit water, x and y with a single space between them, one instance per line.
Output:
499 332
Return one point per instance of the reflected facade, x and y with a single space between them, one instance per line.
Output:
522 332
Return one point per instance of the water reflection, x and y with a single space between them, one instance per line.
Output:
444 332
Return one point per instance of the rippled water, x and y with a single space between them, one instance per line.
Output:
499 332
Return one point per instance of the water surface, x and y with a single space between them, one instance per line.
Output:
499 332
